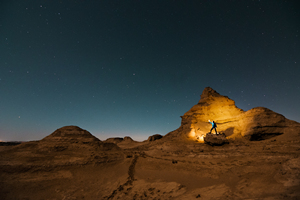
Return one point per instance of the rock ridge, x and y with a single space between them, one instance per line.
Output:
255 124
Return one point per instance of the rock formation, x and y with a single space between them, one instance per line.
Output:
127 139
117 140
255 124
72 164
73 137
69 145
154 137
114 140
215 139
70 134
124 143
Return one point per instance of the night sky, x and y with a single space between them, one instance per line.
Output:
132 68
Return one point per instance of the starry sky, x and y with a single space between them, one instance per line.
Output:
132 68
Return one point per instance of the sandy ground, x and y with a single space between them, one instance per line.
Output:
268 169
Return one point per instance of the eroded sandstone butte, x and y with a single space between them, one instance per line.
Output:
69 145
256 124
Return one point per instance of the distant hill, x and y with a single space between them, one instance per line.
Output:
12 143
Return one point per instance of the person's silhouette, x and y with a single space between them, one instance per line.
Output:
214 126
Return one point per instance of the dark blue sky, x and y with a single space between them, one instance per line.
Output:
132 68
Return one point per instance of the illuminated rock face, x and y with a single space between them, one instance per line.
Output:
255 124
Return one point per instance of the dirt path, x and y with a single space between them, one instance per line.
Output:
128 185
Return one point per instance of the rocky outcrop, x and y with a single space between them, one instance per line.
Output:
127 139
115 140
154 137
72 134
215 139
255 124
71 138
69 145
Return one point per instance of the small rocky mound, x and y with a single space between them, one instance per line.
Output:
73 137
154 137
115 140
127 139
69 145
70 134
215 139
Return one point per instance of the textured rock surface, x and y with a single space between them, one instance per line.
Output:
154 137
69 145
215 139
70 134
72 137
127 139
115 140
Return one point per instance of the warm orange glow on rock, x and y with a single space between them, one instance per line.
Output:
192 133
231 120
200 138
196 134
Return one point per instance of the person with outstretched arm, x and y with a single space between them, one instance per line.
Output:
214 126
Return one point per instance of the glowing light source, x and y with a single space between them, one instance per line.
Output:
192 133
200 138
196 135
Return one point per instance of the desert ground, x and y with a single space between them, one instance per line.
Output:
268 169
71 163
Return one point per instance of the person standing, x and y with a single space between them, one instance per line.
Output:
214 126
